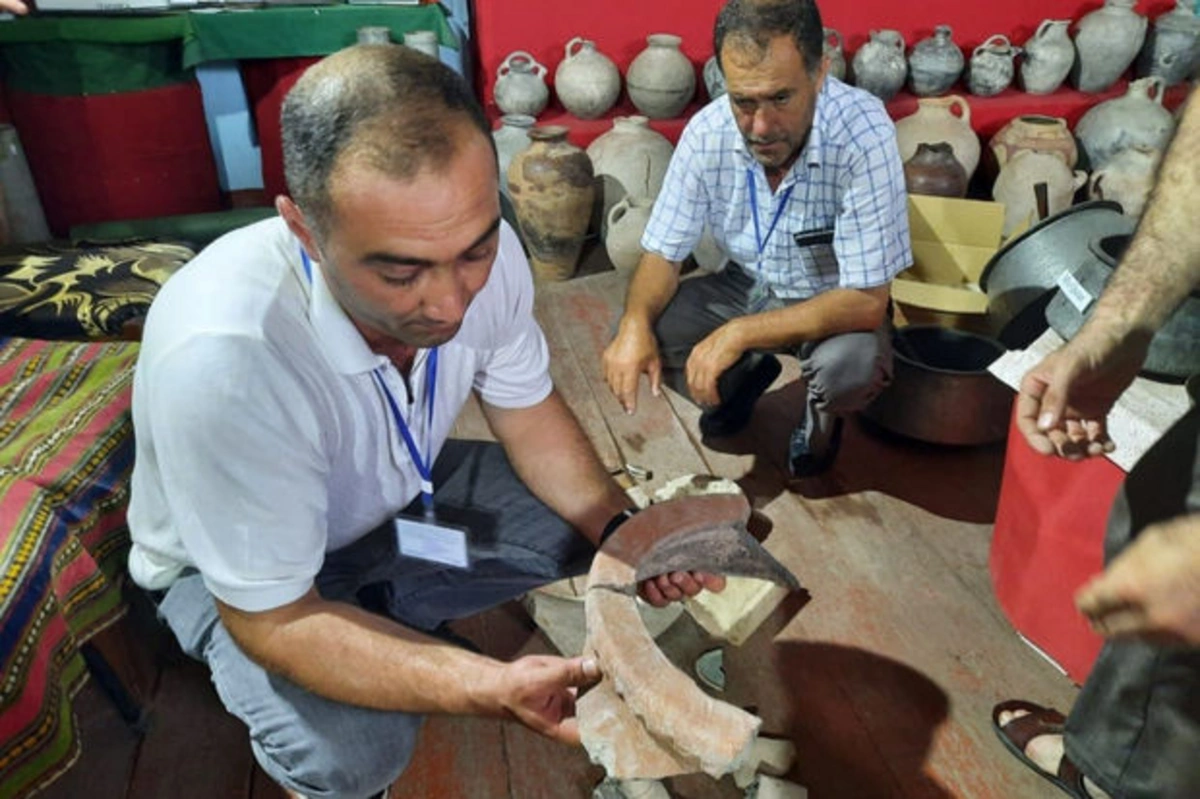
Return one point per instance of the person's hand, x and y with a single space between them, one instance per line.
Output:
539 691
14 7
632 353
667 588
1152 589
708 361
1064 401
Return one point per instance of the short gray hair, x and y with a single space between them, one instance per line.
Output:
761 20
386 106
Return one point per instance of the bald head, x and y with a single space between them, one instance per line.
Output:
386 108
751 24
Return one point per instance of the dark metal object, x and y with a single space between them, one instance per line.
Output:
721 550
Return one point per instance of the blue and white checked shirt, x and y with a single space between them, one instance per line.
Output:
848 181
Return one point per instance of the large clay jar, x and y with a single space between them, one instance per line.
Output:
1136 119
1049 54
879 65
552 192
1172 49
991 69
1107 40
935 120
1043 134
630 159
933 169
1127 179
714 79
834 50
586 81
661 80
934 64
1016 187
511 138
626 223
521 85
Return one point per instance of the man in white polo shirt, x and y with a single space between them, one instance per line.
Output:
799 177
297 509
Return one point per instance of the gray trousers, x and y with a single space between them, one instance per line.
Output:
322 748
842 373
1135 727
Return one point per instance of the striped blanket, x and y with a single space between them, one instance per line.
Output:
66 452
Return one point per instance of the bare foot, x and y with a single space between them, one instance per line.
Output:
1047 752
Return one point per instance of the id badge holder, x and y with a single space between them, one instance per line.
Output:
431 539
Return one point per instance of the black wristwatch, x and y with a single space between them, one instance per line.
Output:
614 523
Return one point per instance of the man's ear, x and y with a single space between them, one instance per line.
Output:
294 218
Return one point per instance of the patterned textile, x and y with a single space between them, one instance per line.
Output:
842 208
66 453
76 293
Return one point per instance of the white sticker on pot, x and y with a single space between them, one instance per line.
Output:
1074 291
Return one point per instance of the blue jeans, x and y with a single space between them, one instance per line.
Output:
322 748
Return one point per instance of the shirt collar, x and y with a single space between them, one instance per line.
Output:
337 336
810 155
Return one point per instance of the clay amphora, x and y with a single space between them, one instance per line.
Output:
1049 54
1127 179
834 48
1135 119
661 80
1015 187
626 223
511 138
551 185
521 85
587 81
1172 49
1044 134
935 120
991 69
933 169
934 64
714 79
879 65
630 159
1107 40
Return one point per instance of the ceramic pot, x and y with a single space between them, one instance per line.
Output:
424 42
1049 55
1015 187
521 85
1172 49
661 80
714 79
626 223
879 65
511 138
551 185
934 64
1126 179
587 81
1136 119
991 69
1107 40
935 120
933 169
834 49
1034 132
630 159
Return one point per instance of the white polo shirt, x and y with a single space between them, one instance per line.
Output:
263 439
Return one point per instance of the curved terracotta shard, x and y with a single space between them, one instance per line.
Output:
695 533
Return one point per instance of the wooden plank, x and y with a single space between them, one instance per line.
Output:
108 750
457 757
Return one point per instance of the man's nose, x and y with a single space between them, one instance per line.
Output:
448 296
762 122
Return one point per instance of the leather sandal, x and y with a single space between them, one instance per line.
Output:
1038 720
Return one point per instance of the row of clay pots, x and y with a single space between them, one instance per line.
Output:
661 80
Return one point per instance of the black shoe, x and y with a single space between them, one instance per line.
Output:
733 414
803 462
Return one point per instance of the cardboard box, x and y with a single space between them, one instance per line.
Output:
952 242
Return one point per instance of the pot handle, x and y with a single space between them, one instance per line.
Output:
613 216
1042 29
963 107
1095 191
576 43
831 33
997 40
516 55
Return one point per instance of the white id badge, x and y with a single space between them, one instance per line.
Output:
431 540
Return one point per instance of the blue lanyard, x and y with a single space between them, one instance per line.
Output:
424 465
783 201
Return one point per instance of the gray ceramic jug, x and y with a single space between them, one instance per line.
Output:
1172 49
991 69
879 65
1107 41
935 63
1049 54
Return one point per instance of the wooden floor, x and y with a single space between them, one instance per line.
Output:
883 673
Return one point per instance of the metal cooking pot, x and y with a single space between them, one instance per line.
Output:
1175 349
1020 278
941 391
